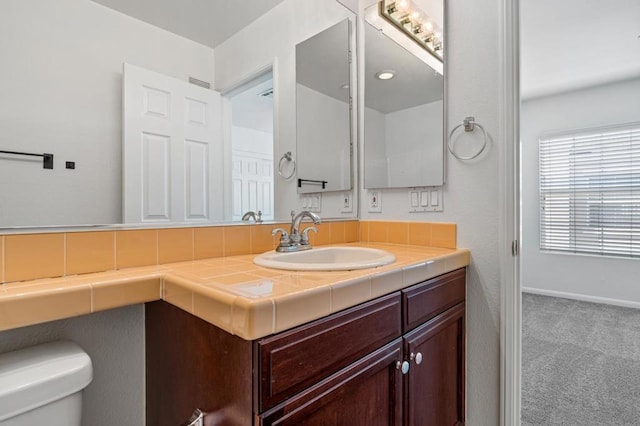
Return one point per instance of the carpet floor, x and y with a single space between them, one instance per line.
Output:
580 363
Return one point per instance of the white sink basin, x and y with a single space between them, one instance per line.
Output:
326 259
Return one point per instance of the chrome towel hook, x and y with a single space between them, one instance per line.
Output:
469 125
289 158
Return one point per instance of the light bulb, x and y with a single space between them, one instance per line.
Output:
427 26
402 5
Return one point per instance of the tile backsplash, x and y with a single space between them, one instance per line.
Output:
33 256
433 234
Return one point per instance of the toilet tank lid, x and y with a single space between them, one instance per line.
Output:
38 375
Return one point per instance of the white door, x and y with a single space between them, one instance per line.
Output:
172 149
252 184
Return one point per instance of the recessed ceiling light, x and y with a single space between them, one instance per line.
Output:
385 75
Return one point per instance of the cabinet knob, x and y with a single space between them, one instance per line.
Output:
417 358
402 366
196 419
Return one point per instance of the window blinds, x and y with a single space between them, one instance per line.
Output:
590 191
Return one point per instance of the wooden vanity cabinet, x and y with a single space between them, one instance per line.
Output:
345 369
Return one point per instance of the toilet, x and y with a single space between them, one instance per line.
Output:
42 385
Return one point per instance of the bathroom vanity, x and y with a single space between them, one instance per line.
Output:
397 359
256 345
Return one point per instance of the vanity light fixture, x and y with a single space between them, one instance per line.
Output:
413 22
385 75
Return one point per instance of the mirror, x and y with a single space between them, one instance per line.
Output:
404 108
62 92
323 111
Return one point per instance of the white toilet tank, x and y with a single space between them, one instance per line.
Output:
42 385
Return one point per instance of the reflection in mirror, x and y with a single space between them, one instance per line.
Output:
252 148
62 93
323 111
404 111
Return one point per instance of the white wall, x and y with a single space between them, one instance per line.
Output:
404 147
251 140
62 69
586 277
414 145
471 196
114 340
375 165
323 128
270 41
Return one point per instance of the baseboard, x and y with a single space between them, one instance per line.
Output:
582 297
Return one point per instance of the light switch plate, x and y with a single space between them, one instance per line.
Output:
433 198
310 202
425 199
414 201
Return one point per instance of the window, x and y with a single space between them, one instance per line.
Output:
590 191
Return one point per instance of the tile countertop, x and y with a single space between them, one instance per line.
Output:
230 292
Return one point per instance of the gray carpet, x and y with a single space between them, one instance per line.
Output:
580 363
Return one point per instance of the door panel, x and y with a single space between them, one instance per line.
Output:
155 176
179 179
197 179
435 386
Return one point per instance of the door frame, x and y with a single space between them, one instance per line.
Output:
226 94
509 128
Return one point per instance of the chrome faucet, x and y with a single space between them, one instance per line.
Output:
251 214
296 240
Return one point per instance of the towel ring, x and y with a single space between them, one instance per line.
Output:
286 156
469 126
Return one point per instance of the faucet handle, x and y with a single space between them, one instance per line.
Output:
284 238
259 218
305 234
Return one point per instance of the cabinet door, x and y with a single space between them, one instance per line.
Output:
366 393
434 387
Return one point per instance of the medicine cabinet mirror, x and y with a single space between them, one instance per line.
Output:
323 111
404 98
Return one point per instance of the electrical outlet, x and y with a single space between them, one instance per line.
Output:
347 205
374 201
